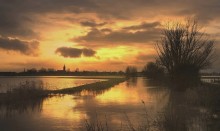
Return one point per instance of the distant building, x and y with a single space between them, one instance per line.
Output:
64 69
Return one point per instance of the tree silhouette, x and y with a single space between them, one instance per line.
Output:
131 71
184 50
153 71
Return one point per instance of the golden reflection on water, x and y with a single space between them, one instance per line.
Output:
47 82
76 107
62 107
69 112
123 94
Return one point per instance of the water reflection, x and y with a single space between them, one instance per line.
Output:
182 115
188 107
71 111
121 100
10 106
131 82
51 83
148 103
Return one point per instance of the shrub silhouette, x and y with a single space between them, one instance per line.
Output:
153 71
183 50
131 71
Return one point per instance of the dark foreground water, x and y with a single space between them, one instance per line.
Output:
137 103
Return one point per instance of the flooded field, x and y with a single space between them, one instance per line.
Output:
48 82
137 103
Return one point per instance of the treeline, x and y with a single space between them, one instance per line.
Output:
152 70
34 72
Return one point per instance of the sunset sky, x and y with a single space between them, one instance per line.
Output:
105 35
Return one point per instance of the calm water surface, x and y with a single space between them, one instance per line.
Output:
130 100
48 82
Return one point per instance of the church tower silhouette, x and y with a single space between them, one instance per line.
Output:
64 68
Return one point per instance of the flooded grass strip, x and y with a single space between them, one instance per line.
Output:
101 85
30 95
30 90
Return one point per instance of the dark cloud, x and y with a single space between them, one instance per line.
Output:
143 26
24 47
48 6
75 52
16 17
114 8
204 10
92 23
88 52
69 52
145 32
12 25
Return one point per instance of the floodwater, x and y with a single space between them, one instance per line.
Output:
211 79
135 103
48 82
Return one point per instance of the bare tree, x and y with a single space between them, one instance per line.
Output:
184 49
131 71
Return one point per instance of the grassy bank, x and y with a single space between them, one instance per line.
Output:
97 86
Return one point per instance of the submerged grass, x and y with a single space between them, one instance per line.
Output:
97 86
30 95
27 90
31 91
